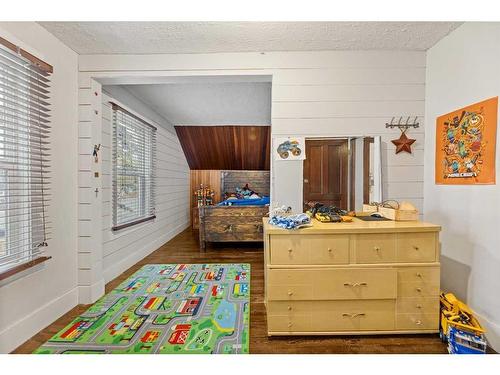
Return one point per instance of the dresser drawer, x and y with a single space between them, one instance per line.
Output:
331 284
416 305
375 248
420 275
416 247
416 290
325 316
317 249
418 281
417 321
297 323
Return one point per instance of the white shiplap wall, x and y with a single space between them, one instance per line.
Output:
124 248
327 93
103 254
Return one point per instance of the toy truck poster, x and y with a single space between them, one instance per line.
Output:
289 148
459 328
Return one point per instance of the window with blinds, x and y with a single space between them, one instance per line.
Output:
24 156
134 151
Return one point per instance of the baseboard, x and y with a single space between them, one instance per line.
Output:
25 328
90 293
492 331
116 269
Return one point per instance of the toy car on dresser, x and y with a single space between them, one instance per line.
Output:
460 328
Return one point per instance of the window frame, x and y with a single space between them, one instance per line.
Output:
20 253
147 214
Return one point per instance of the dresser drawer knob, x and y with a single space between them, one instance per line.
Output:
418 322
289 324
330 249
376 248
419 306
289 249
419 290
290 293
289 308
418 274
415 247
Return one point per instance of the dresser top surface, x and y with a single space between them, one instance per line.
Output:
356 226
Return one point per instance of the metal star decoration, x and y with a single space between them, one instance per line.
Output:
403 143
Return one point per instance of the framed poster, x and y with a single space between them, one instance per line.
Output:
465 145
289 148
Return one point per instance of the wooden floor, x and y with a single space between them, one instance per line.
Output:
184 249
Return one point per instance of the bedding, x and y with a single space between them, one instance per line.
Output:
245 202
244 196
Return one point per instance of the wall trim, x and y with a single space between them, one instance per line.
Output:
116 269
492 331
90 293
25 328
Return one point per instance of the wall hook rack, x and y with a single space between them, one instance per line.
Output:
403 125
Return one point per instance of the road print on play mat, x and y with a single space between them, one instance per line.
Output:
165 308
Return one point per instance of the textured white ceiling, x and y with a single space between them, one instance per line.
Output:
244 103
206 37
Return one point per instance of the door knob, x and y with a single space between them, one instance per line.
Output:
306 181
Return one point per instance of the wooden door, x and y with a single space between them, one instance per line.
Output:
325 172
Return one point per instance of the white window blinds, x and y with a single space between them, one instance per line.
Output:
134 151
24 156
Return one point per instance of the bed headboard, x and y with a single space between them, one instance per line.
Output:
258 181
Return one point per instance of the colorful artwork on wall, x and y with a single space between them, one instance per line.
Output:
465 145
289 148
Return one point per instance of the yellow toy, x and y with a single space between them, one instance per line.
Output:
460 328
326 218
456 313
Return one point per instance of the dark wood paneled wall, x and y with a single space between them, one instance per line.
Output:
206 177
226 147
210 178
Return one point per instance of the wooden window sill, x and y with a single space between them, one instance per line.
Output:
22 267
132 223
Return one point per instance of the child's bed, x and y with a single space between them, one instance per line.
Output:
237 220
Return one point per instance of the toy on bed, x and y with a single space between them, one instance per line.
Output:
244 196
247 193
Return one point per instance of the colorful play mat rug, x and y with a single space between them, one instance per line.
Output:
165 308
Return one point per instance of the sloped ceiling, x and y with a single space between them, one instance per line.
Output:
226 147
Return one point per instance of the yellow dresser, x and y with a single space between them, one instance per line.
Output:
363 277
